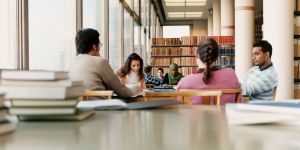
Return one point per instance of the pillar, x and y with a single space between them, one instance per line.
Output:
279 31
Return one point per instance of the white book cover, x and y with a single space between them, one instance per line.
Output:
120 104
22 92
33 75
263 112
43 103
42 111
64 83
81 115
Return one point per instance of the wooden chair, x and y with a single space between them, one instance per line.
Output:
274 93
237 92
87 94
183 93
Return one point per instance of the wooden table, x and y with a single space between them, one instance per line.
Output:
183 127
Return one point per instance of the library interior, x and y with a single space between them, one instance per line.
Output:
149 74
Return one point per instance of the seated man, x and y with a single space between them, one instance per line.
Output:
149 79
262 78
93 69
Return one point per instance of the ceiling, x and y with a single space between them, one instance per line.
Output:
182 11
186 9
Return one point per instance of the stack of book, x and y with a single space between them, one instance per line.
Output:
42 95
5 125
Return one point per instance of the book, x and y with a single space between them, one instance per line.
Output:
22 92
63 83
81 115
263 112
33 75
43 103
6 127
119 104
42 111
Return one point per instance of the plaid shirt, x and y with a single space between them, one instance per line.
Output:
149 79
259 84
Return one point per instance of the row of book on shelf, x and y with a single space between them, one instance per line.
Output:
195 40
297 47
189 51
191 40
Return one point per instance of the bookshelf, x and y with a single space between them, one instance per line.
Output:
258 22
182 51
297 50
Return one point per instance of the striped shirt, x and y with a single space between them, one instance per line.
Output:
260 83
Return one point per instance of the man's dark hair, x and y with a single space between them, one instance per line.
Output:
147 69
161 69
265 46
85 39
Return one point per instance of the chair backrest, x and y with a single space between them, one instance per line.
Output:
183 93
274 93
87 94
237 92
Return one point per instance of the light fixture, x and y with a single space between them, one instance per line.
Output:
185 14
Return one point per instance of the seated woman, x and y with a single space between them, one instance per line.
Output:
208 75
131 74
173 77
93 69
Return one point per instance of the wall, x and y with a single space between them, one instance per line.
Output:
199 27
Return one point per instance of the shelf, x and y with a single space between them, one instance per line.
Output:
173 56
296 58
296 80
226 55
296 13
157 46
178 66
296 36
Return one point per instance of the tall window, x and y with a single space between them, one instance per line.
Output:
137 6
127 34
175 31
93 11
137 39
8 42
52 29
115 34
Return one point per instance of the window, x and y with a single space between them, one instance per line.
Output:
175 31
93 11
115 34
137 39
137 6
8 42
128 48
52 30
129 2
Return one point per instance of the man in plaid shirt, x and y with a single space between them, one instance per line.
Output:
149 79
261 79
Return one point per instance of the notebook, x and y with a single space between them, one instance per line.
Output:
262 112
119 104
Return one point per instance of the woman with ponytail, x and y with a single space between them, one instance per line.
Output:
208 75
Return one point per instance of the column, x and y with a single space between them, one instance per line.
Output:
216 18
278 29
227 17
210 23
244 36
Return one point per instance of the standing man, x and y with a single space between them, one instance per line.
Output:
261 79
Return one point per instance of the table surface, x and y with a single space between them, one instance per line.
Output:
182 127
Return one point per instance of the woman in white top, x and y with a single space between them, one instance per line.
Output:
131 74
